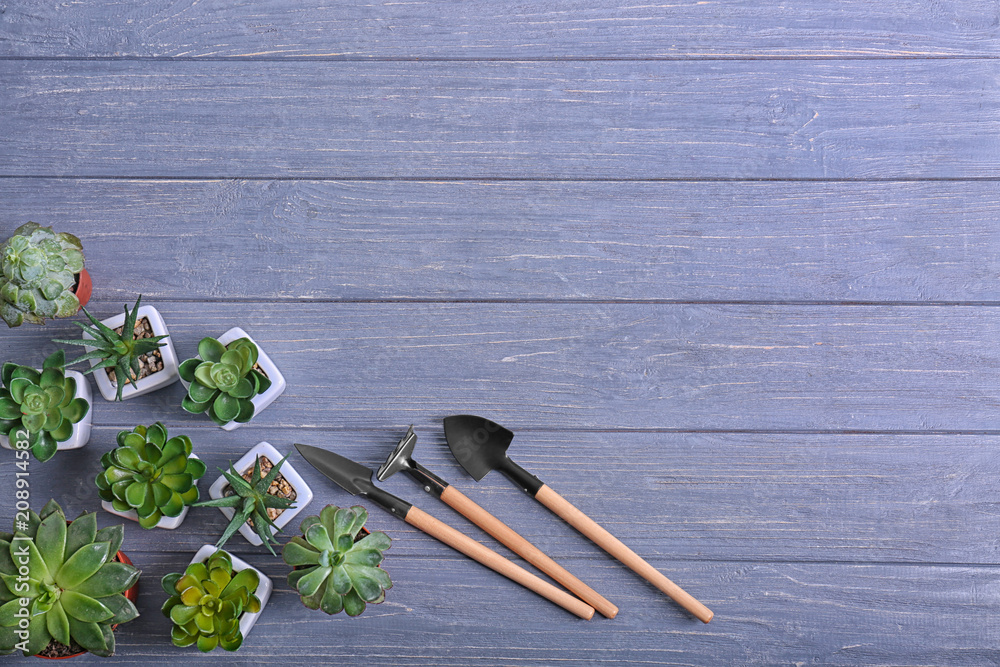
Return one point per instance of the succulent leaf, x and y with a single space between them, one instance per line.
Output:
38 270
222 380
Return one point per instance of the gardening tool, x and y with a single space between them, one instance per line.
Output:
357 480
401 459
481 446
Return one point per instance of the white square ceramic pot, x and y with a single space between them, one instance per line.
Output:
260 401
81 430
168 522
304 494
263 592
157 380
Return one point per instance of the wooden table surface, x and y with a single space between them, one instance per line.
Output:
727 269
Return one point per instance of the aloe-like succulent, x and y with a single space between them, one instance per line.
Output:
41 405
250 501
38 270
120 351
73 590
223 380
206 602
151 474
333 572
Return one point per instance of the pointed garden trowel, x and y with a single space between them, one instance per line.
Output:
401 459
481 446
357 480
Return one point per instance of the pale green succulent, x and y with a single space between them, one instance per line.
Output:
38 270
75 590
223 381
333 571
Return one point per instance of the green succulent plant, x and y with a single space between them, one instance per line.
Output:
41 405
150 474
250 501
118 351
38 270
206 602
223 380
74 588
333 572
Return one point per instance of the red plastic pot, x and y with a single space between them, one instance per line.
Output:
84 287
132 594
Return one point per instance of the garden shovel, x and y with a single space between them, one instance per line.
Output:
481 446
357 480
401 459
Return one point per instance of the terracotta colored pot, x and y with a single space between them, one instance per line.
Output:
84 287
132 594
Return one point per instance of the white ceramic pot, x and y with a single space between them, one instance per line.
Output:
81 430
263 592
168 522
157 380
260 401
304 494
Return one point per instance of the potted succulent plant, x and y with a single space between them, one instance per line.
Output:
41 275
215 601
44 410
149 477
231 379
134 345
79 586
258 496
336 561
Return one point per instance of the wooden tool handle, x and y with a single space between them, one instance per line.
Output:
513 541
613 546
491 559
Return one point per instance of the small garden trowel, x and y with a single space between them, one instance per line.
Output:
401 459
357 480
480 445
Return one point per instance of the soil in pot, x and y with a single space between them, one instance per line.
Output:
279 487
148 363
58 651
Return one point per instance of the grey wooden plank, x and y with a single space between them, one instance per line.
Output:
478 29
457 613
527 240
598 366
642 120
694 497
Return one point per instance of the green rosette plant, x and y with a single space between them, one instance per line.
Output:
42 404
75 590
151 474
250 501
206 602
333 571
38 270
223 380
118 351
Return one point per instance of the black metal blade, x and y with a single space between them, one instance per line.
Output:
353 478
479 444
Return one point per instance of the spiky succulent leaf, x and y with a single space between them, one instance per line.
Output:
38 270
150 473
222 380
206 603
333 571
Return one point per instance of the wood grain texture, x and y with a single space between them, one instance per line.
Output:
480 29
635 120
598 366
526 240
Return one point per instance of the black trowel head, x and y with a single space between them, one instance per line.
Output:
401 457
479 444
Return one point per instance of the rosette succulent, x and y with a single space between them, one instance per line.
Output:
250 501
38 270
206 602
74 588
120 351
151 474
41 405
223 380
333 571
